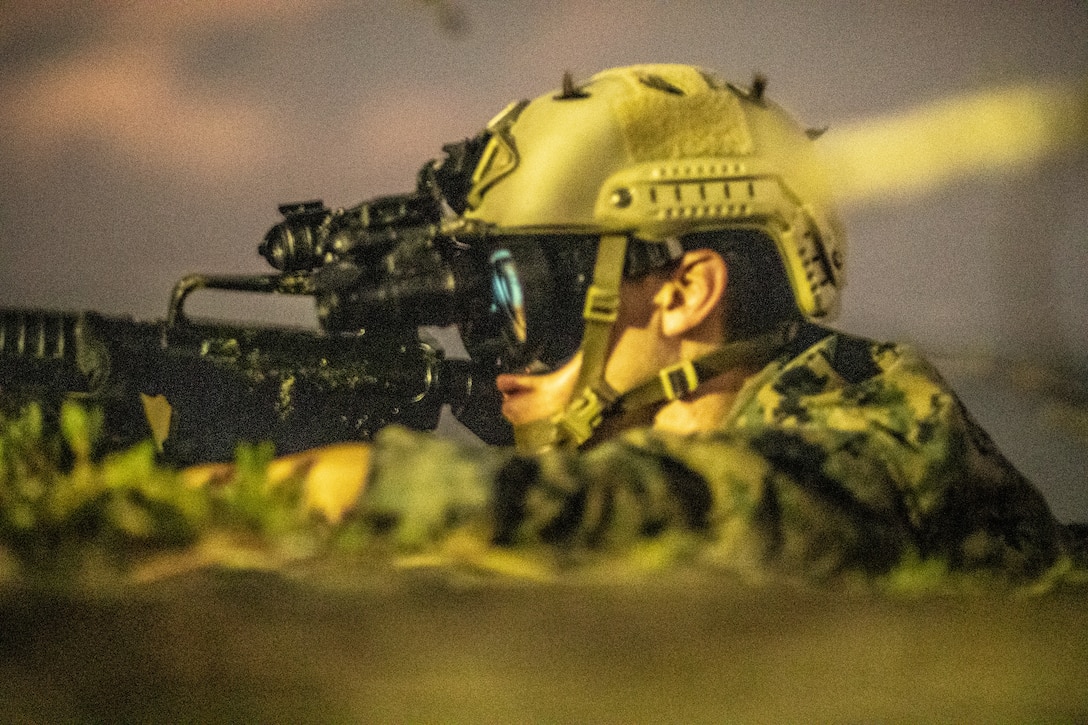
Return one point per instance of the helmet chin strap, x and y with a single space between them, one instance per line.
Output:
575 424
594 399
680 379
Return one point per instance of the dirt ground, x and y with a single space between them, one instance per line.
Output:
432 646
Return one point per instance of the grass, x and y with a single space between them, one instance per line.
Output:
68 518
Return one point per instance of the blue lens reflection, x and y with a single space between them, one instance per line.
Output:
507 295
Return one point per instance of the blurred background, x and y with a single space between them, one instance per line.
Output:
140 141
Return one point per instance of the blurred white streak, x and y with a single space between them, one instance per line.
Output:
905 155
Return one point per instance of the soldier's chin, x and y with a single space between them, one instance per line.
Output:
527 398
527 403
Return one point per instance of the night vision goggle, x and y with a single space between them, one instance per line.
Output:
517 297
535 295
538 286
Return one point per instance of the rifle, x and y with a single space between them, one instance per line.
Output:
377 272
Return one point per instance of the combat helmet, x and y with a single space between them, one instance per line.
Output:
655 153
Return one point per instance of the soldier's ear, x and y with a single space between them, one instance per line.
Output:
694 293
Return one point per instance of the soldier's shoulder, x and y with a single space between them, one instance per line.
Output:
852 359
824 373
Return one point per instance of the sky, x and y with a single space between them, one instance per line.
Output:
144 140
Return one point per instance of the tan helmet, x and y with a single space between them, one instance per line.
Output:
655 152
658 151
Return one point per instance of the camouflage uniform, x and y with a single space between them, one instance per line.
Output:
841 455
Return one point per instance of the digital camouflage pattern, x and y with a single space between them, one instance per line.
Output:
841 456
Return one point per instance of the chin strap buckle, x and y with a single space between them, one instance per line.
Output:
678 380
582 416
601 306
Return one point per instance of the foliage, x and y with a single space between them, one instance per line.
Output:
65 517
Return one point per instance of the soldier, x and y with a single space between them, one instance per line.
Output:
664 252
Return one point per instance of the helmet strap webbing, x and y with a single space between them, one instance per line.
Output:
601 308
679 380
576 423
